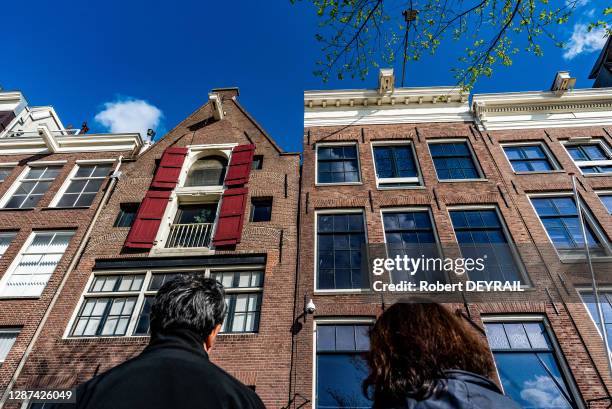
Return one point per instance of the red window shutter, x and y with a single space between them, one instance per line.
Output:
231 217
169 169
149 216
240 165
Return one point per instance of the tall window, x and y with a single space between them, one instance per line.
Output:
84 185
5 241
33 187
120 304
395 166
605 298
591 157
480 234
127 214
453 160
528 366
411 234
208 171
337 164
606 199
7 339
4 173
341 367
35 264
559 215
339 241
243 292
529 158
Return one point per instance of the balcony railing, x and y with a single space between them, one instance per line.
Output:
189 235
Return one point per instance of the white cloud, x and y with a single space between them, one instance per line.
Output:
577 3
584 41
129 115
541 392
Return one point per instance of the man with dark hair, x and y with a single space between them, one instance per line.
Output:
174 370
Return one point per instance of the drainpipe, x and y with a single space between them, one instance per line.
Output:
73 263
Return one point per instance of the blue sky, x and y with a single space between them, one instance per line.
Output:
82 58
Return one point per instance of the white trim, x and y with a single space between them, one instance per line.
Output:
330 291
40 163
589 141
72 143
333 144
524 275
418 179
557 351
549 155
330 321
94 161
9 164
601 193
472 153
593 223
66 183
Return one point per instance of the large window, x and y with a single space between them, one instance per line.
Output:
559 215
591 157
411 233
84 185
7 339
208 171
605 298
120 304
528 365
340 366
5 241
35 263
337 164
395 166
32 187
481 234
340 238
529 158
453 160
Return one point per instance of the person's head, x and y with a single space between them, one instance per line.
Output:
411 345
190 302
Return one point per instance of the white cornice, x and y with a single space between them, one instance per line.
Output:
72 144
543 109
402 105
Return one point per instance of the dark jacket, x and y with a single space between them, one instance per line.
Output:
463 390
173 372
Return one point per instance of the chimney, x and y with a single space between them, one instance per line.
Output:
386 80
562 83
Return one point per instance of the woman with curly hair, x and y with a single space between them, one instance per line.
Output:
424 357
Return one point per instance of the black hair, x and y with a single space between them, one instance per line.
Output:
189 301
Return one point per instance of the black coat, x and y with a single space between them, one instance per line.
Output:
173 372
463 390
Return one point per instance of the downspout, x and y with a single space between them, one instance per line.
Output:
113 181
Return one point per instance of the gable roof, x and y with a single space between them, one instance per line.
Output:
604 59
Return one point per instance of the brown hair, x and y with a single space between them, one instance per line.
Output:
411 345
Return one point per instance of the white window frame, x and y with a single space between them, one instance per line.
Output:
601 193
380 182
412 209
481 176
331 291
60 193
10 330
593 223
583 290
17 183
144 292
330 321
560 357
11 234
549 155
15 263
332 144
526 279
590 141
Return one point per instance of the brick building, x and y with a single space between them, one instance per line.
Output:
421 166
54 181
215 196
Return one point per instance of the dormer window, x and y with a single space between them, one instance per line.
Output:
208 171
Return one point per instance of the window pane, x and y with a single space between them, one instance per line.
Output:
453 161
7 339
5 241
337 164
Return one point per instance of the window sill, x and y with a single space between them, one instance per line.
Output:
541 172
340 291
596 175
65 208
382 187
19 297
16 209
572 260
463 180
162 251
339 184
